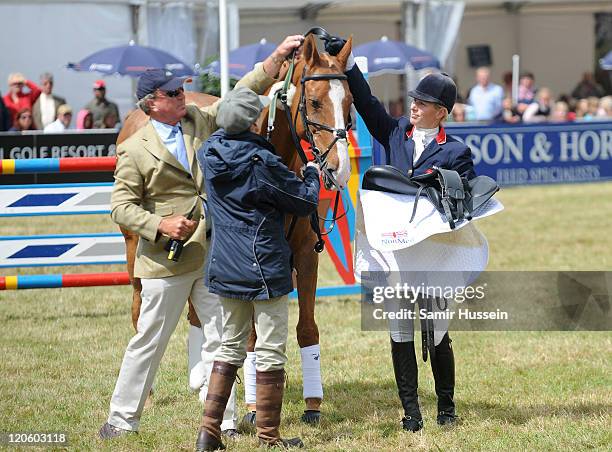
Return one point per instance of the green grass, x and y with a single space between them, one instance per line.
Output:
61 350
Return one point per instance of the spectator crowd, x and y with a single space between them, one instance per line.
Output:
28 106
489 102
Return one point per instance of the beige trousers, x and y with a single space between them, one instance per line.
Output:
163 301
271 319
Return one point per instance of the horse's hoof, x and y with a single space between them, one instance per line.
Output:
247 425
311 417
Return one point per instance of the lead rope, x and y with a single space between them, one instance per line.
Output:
282 94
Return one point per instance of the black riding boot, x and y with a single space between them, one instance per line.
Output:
406 377
443 367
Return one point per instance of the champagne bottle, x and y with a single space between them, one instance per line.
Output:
175 246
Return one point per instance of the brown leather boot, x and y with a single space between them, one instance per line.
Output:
219 390
270 387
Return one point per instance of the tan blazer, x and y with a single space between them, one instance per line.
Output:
150 183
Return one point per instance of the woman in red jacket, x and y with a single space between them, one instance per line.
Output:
16 99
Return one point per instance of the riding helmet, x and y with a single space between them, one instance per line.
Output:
438 88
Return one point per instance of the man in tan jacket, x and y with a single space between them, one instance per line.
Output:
159 194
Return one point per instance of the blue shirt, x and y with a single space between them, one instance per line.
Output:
487 102
169 135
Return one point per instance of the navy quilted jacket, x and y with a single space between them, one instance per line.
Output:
394 135
249 192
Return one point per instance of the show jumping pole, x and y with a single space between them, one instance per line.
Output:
57 165
56 281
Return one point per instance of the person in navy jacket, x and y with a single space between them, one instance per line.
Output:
249 192
414 145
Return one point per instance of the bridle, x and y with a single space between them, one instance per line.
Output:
320 157
338 134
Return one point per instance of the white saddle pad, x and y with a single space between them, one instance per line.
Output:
425 245
387 219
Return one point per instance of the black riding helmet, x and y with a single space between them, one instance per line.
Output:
438 88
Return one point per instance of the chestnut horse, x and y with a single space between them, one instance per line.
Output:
320 108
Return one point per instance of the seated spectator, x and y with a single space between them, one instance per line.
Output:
560 112
582 107
509 114
592 105
485 97
45 107
605 107
539 111
526 92
587 87
458 113
84 120
23 121
109 120
17 99
62 123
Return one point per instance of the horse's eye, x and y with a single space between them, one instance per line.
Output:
315 104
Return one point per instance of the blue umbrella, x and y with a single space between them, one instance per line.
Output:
131 60
387 56
606 62
243 59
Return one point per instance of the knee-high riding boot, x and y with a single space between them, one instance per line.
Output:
269 396
219 389
443 368
407 379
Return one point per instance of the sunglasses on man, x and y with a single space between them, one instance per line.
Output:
174 93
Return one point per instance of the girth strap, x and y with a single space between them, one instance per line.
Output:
452 190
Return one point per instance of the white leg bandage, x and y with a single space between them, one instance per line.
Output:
197 370
250 384
311 372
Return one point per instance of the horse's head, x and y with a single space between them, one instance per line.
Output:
324 109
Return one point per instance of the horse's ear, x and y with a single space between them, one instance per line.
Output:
310 52
345 51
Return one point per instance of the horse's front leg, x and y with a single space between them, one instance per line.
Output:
131 243
306 262
247 425
249 371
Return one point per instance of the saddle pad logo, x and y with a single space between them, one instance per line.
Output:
394 237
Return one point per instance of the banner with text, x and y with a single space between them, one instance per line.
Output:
38 145
539 153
